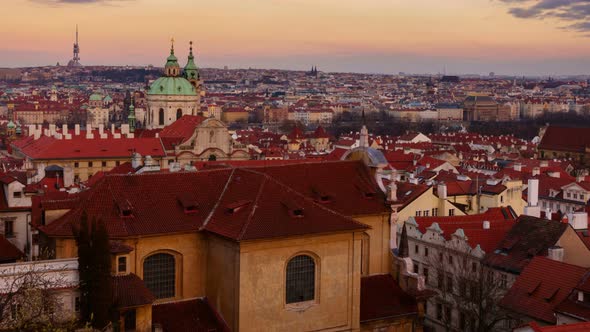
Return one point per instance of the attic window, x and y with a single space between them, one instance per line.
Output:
533 288
321 196
235 207
550 296
125 209
188 203
367 191
295 210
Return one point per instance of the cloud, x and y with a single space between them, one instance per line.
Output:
571 15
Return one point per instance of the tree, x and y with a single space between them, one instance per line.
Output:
29 301
469 287
94 265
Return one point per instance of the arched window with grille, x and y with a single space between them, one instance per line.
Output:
161 117
301 275
159 275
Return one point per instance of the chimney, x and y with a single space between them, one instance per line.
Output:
136 160
486 224
51 129
442 190
392 192
518 167
533 192
64 129
101 129
578 220
536 171
76 129
112 128
37 134
556 253
580 296
544 163
124 129
554 174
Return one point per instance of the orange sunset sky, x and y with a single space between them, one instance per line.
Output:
387 36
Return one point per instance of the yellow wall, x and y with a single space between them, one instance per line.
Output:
262 284
575 251
222 278
378 249
188 249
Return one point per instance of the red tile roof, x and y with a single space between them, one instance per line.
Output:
576 327
80 148
542 285
191 315
382 297
501 221
130 291
8 252
565 139
149 203
528 238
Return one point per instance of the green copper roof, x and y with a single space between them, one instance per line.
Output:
11 125
172 86
95 97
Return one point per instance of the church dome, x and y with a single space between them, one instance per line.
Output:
95 97
172 86
11 125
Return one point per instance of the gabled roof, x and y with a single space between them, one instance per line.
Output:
528 238
501 221
8 252
542 286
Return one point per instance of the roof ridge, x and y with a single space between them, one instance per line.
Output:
230 177
254 207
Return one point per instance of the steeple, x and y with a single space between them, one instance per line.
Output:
172 69
131 117
403 250
364 139
75 62
191 71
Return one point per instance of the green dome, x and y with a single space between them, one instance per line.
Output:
172 86
95 97
11 125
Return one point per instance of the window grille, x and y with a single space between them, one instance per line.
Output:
159 275
300 279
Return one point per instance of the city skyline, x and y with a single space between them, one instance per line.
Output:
476 36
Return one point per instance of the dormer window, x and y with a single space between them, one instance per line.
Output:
295 210
188 202
237 206
321 196
125 209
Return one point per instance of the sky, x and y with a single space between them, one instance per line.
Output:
515 37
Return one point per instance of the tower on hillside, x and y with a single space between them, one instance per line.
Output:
131 117
75 62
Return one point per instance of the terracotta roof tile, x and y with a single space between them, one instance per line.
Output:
382 297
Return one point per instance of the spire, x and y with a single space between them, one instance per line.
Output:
131 117
172 46
76 34
364 139
191 71
172 68
403 251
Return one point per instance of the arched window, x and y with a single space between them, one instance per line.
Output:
161 117
300 284
159 275
178 113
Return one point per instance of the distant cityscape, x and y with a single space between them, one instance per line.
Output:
181 198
